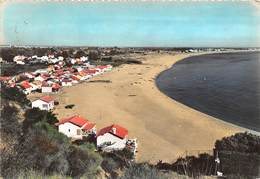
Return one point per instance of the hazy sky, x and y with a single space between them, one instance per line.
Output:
132 24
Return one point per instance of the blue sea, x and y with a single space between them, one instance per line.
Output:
225 86
157 24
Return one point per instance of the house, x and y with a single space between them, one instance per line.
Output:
46 88
76 127
113 137
41 78
104 68
44 103
55 87
66 82
37 83
26 87
34 87
29 75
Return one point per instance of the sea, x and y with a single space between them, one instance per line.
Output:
225 86
131 23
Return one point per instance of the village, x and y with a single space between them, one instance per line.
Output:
58 75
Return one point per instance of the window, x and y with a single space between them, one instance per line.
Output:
45 106
78 131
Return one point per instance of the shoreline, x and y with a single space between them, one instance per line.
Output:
221 120
164 128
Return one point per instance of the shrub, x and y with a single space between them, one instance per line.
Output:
83 162
240 142
13 94
109 165
239 154
34 115
141 171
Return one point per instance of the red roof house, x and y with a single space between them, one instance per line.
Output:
76 127
44 103
113 137
25 85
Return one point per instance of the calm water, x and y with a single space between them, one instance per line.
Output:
140 24
225 86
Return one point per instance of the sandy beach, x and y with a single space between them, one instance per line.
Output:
165 129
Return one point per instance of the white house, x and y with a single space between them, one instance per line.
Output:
40 78
26 87
76 127
46 89
33 87
66 82
44 103
113 137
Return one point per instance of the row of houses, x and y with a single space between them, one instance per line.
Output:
113 137
55 76
51 59
110 138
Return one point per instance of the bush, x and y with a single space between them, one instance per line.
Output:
240 142
34 115
83 162
109 165
239 154
141 171
13 94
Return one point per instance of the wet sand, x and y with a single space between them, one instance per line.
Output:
165 128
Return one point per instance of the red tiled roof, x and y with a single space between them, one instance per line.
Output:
89 71
47 99
55 86
74 78
66 80
89 126
101 67
79 121
25 85
5 78
119 132
45 84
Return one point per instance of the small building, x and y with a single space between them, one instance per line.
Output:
44 103
76 127
46 89
66 82
111 138
40 78
26 87
55 87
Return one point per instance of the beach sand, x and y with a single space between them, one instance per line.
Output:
164 128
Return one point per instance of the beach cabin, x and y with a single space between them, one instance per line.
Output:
26 87
44 103
66 82
76 127
111 138
40 78
46 89
55 87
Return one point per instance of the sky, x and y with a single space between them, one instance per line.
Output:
135 24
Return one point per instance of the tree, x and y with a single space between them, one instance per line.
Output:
240 142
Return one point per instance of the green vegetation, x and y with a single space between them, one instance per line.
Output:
239 156
69 106
13 94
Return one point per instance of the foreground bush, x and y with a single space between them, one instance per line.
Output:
142 171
